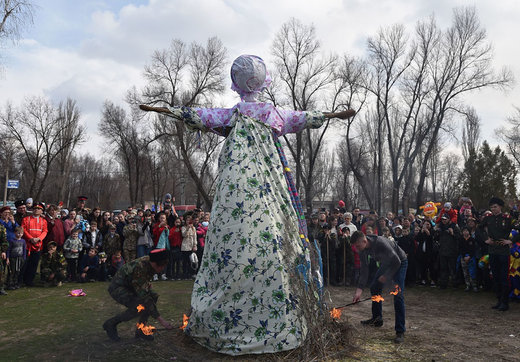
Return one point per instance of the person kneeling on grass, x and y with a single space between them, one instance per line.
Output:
131 287
53 265
393 265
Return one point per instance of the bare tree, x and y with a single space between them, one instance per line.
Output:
127 137
461 63
470 133
38 130
303 76
14 16
184 76
511 136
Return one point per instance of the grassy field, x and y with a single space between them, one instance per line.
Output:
45 324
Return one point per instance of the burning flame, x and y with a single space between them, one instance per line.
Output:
335 313
148 330
140 308
377 298
185 320
396 291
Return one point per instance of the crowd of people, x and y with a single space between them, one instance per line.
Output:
458 246
86 245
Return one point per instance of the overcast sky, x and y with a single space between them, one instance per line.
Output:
96 50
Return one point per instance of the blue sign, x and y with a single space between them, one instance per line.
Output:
13 184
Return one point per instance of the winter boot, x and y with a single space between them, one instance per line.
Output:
110 326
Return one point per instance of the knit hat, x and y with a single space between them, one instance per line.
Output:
4 209
447 205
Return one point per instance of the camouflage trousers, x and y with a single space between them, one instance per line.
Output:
129 255
49 279
131 301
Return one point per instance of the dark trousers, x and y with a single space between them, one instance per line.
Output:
186 268
377 307
72 268
173 270
31 265
126 297
448 270
499 265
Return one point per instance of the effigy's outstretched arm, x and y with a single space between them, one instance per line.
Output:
154 109
341 115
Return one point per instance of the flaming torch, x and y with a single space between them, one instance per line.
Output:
335 313
377 298
185 320
148 330
396 291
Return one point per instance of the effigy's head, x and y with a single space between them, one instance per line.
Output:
249 77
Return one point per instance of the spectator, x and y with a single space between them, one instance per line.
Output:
111 242
145 240
116 262
130 244
56 231
105 223
370 222
89 266
4 246
449 211
35 231
175 262
16 255
53 266
189 245
426 255
21 211
357 217
92 238
8 222
70 223
71 250
498 228
447 233
467 259
95 215
202 229
161 233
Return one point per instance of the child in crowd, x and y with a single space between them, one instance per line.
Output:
103 267
189 245
111 242
175 263
92 238
89 266
71 250
467 259
53 266
116 262
16 254
387 234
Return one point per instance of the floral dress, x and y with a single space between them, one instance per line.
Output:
243 299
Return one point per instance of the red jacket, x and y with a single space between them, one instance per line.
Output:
156 233
34 227
175 237
56 232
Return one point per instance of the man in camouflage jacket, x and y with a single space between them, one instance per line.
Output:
53 266
131 287
3 256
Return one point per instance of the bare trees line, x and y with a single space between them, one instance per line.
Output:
408 91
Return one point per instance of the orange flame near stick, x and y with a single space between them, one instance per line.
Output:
148 330
396 291
140 308
335 313
377 298
185 320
